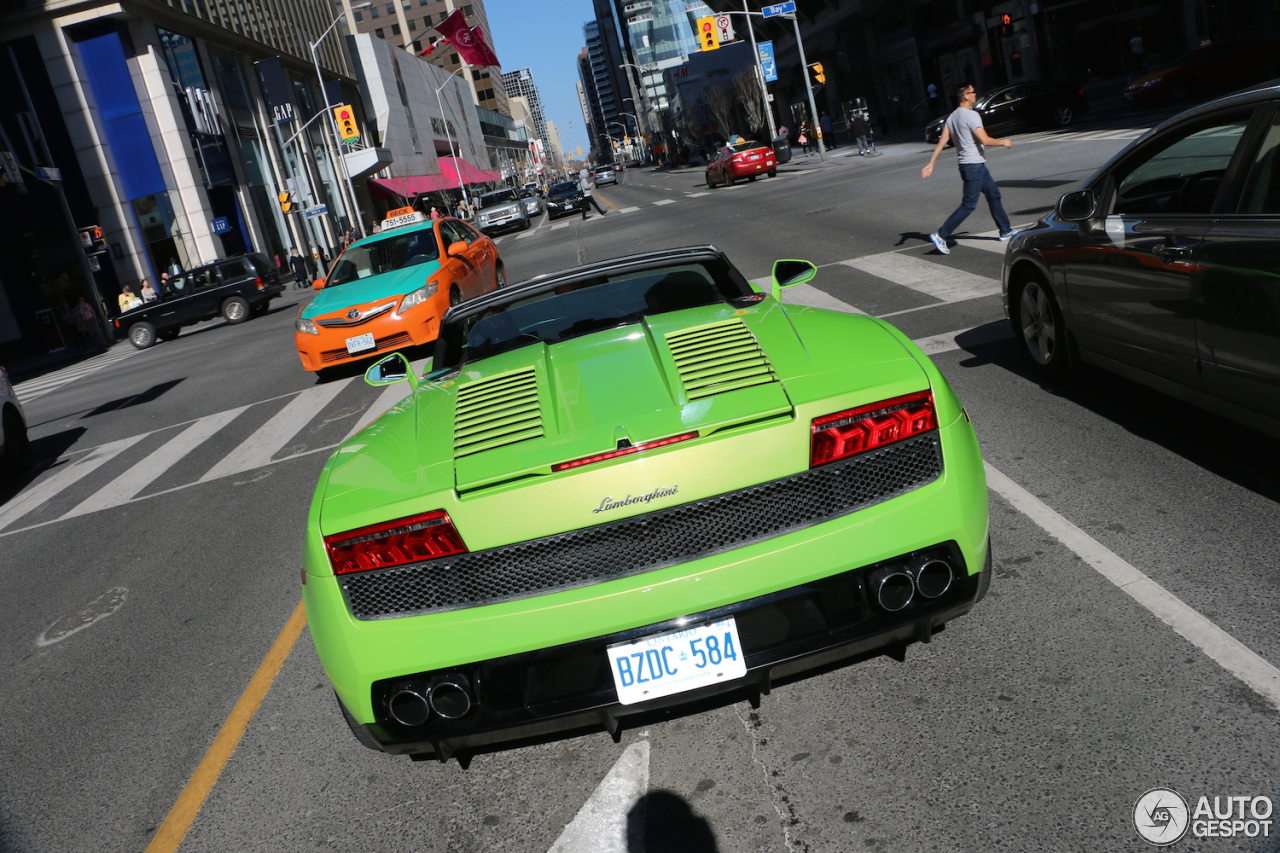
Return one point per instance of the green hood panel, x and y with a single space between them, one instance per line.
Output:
370 289
580 397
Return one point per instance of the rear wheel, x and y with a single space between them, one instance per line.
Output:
17 446
729 179
1062 115
1039 327
235 310
751 178
142 334
455 296
500 277
773 173
710 183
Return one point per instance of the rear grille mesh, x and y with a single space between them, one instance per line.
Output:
644 543
496 412
719 358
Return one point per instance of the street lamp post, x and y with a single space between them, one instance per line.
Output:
449 137
644 106
354 209
764 90
644 149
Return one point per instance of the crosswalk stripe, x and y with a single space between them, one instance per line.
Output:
988 241
47 490
697 195
663 201
35 388
628 209
560 225
257 450
131 482
945 283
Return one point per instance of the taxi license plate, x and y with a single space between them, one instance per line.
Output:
677 661
360 343
754 157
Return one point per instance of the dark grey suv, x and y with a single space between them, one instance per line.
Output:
235 287
1165 266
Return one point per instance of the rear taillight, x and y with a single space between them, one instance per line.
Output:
867 427
624 451
394 543
258 281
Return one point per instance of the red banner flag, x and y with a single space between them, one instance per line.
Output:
468 41
432 47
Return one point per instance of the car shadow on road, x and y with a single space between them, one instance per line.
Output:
45 453
1246 457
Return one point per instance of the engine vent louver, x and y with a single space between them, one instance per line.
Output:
719 358
496 412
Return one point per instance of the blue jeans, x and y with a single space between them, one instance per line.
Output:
976 180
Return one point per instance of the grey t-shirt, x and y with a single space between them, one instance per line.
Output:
961 125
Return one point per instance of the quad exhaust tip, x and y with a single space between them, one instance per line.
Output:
447 696
409 707
892 588
932 576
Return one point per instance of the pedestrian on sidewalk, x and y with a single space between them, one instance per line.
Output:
827 136
860 130
303 272
964 126
803 136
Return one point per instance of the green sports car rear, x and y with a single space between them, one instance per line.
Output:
633 485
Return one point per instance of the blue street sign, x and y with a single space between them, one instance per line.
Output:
788 8
221 225
767 63
317 210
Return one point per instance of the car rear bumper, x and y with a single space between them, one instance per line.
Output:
570 688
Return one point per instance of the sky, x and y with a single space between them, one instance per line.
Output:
545 37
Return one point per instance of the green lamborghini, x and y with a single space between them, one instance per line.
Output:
632 485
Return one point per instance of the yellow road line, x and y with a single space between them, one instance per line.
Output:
176 824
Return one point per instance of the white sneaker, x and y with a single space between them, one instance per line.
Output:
1004 238
939 243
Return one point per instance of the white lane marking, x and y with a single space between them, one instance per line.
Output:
663 201
257 450
628 209
123 488
560 225
945 283
1224 649
988 241
390 395
71 473
697 195
601 825
33 389
98 609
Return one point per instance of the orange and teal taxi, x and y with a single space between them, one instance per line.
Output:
389 290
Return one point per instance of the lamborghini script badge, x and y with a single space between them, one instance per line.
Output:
660 492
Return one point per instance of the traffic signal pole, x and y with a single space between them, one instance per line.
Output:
813 108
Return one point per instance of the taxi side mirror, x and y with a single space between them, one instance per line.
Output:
458 248
318 284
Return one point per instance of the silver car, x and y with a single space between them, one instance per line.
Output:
501 210
15 448
532 203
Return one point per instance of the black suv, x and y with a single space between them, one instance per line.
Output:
234 287
565 197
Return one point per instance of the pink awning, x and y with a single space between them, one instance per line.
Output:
408 187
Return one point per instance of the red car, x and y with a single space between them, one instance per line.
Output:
741 160
1208 70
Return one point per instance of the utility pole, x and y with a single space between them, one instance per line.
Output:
764 90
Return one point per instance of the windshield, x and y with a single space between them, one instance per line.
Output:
564 188
363 260
744 146
583 307
500 197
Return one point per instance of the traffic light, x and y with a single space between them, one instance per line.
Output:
286 202
92 239
708 37
347 129
818 76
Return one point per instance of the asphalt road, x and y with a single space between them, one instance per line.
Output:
137 611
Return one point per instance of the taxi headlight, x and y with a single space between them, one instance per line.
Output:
305 327
422 294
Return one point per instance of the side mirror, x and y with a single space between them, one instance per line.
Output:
1079 206
457 248
318 284
389 370
789 273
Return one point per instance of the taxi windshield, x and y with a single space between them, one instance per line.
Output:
389 254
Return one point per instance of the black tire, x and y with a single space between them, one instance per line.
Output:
751 178
1063 115
260 309
773 173
169 334
1039 327
142 334
235 310
729 179
455 296
525 226
17 446
500 277
710 183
